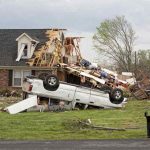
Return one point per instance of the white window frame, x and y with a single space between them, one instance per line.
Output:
22 74
26 57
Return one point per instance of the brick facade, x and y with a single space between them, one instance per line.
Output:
4 79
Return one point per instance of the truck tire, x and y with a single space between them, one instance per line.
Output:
116 96
51 83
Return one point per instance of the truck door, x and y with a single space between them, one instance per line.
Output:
98 98
82 95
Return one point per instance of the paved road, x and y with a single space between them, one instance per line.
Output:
143 144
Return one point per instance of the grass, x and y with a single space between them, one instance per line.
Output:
58 126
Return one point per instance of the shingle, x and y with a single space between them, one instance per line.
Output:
8 44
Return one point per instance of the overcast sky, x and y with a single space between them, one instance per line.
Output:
80 17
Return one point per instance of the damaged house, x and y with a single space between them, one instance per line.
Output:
41 52
25 52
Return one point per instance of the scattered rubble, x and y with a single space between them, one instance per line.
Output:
63 53
88 124
141 89
79 124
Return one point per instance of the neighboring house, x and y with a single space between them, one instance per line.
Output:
17 50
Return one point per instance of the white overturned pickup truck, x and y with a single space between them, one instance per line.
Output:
56 90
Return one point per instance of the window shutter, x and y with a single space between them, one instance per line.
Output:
10 77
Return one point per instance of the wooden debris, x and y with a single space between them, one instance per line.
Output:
57 47
42 56
87 124
140 88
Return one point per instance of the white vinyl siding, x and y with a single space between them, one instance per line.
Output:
18 76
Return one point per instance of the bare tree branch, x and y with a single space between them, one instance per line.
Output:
116 39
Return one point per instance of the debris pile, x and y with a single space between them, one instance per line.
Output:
141 89
92 75
63 53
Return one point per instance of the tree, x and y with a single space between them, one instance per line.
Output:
115 39
143 61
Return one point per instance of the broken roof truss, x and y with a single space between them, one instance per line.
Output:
57 47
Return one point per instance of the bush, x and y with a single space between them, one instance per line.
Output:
127 94
6 92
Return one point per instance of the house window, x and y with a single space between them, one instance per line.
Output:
18 76
25 51
26 73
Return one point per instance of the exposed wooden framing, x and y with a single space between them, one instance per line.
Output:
47 58
76 47
40 58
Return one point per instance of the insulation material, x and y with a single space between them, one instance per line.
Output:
130 74
72 48
131 81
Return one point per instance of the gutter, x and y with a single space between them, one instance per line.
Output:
27 67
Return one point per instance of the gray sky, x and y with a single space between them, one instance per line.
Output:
80 17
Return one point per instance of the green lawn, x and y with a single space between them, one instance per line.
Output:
62 125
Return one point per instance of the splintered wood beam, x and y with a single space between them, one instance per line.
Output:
43 59
41 54
74 37
31 60
51 61
37 52
38 60
29 63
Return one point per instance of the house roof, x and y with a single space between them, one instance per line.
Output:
9 45
25 34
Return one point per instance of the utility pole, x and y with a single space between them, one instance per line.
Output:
135 63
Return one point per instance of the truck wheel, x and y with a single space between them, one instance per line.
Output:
116 96
51 82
